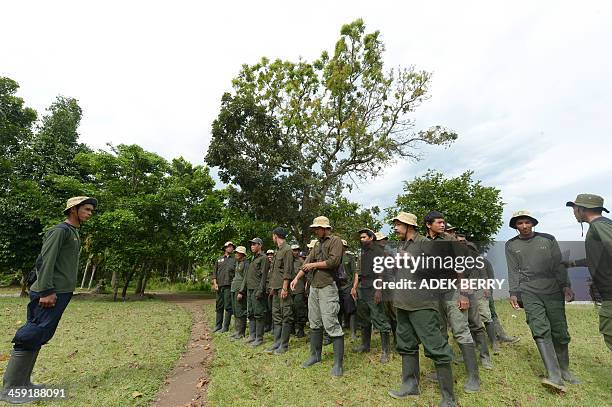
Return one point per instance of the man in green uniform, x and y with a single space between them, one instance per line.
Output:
418 319
269 323
588 208
538 282
348 307
323 305
281 271
370 308
300 312
56 275
454 304
254 288
222 275
239 302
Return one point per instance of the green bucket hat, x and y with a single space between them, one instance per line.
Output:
589 201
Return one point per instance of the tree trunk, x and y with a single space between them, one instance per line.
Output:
144 283
115 284
24 285
93 273
139 282
85 271
127 281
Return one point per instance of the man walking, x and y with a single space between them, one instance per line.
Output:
538 282
56 275
222 276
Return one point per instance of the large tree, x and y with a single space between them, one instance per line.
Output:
473 208
293 135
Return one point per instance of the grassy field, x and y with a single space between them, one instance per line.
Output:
104 353
243 376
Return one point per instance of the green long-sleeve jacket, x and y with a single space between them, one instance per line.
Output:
534 265
301 284
330 250
282 267
224 269
256 275
239 275
58 262
598 244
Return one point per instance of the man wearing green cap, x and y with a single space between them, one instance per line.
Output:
418 319
239 301
254 287
56 275
300 310
538 282
281 271
323 304
598 243
222 276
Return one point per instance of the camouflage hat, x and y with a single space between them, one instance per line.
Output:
407 218
321 222
295 247
344 243
521 214
256 241
312 243
589 201
79 200
241 249
229 244
381 236
270 251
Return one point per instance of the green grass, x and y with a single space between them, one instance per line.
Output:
247 377
104 353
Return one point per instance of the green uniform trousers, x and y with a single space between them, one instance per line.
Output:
492 308
300 309
256 308
484 311
545 314
475 321
450 314
282 309
368 312
605 322
224 299
323 308
422 326
239 307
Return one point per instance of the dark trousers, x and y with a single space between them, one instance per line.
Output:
422 326
41 324
224 299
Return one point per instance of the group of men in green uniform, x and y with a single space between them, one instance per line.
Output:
332 289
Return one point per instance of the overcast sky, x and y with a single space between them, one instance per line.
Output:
526 85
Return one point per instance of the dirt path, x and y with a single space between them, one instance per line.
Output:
187 384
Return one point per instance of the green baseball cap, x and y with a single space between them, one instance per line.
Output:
590 201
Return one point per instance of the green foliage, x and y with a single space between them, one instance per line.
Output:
293 135
468 205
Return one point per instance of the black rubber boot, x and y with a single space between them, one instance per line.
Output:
277 338
17 376
316 347
492 337
502 336
384 340
226 322
32 364
485 356
218 321
549 357
562 352
445 381
251 336
259 332
237 329
300 331
366 339
410 378
284 342
471 366
326 339
240 328
353 325
338 342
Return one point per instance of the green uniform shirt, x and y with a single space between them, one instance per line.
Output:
256 274
330 250
415 299
224 269
282 266
58 262
598 245
534 265
239 275
349 261
366 264
299 287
